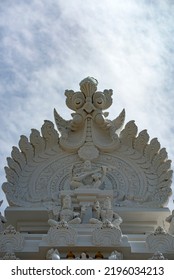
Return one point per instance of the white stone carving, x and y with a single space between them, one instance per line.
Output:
53 254
158 256
170 220
115 255
9 256
37 141
88 177
61 235
88 117
105 215
160 241
41 168
88 152
66 214
11 240
107 235
49 134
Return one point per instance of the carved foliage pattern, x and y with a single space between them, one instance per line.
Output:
61 236
163 242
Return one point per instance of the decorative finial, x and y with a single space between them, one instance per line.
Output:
88 86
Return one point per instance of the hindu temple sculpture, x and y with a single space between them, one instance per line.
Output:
81 153
106 215
66 214
88 181
88 177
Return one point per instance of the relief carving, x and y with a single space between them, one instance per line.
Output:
88 177
161 241
105 216
66 214
41 168
11 240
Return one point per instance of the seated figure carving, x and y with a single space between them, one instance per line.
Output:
66 214
105 215
88 177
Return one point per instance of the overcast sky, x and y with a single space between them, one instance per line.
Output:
49 46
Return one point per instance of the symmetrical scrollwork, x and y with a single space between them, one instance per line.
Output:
42 165
107 235
11 240
61 236
160 241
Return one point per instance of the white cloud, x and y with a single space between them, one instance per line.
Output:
49 46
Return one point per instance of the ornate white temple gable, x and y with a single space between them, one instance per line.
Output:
87 182
135 169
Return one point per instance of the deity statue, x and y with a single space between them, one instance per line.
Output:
66 214
106 215
170 220
88 177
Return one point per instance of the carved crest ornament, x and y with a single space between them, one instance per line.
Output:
86 153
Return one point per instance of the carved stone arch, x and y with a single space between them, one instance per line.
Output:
41 168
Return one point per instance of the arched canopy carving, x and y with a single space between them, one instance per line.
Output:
136 169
